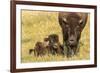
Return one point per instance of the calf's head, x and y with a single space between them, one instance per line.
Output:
72 24
54 44
53 40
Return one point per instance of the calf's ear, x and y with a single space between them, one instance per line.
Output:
46 39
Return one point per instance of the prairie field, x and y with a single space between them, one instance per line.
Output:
36 25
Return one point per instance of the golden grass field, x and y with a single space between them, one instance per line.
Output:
36 25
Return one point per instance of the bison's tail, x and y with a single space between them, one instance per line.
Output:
30 51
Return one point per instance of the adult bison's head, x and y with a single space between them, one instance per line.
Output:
72 24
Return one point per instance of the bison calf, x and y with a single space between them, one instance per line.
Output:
39 49
54 45
51 45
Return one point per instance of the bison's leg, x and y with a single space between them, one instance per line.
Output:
65 49
62 49
69 52
54 51
43 52
76 50
35 52
48 50
59 50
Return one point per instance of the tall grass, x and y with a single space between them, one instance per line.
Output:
36 25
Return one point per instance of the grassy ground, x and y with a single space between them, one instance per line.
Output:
37 25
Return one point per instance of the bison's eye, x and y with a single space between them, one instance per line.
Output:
77 28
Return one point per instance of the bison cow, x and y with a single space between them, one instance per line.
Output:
72 24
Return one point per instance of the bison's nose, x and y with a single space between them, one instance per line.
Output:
72 41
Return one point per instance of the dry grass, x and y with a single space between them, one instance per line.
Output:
36 25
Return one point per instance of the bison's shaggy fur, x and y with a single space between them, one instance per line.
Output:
72 24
